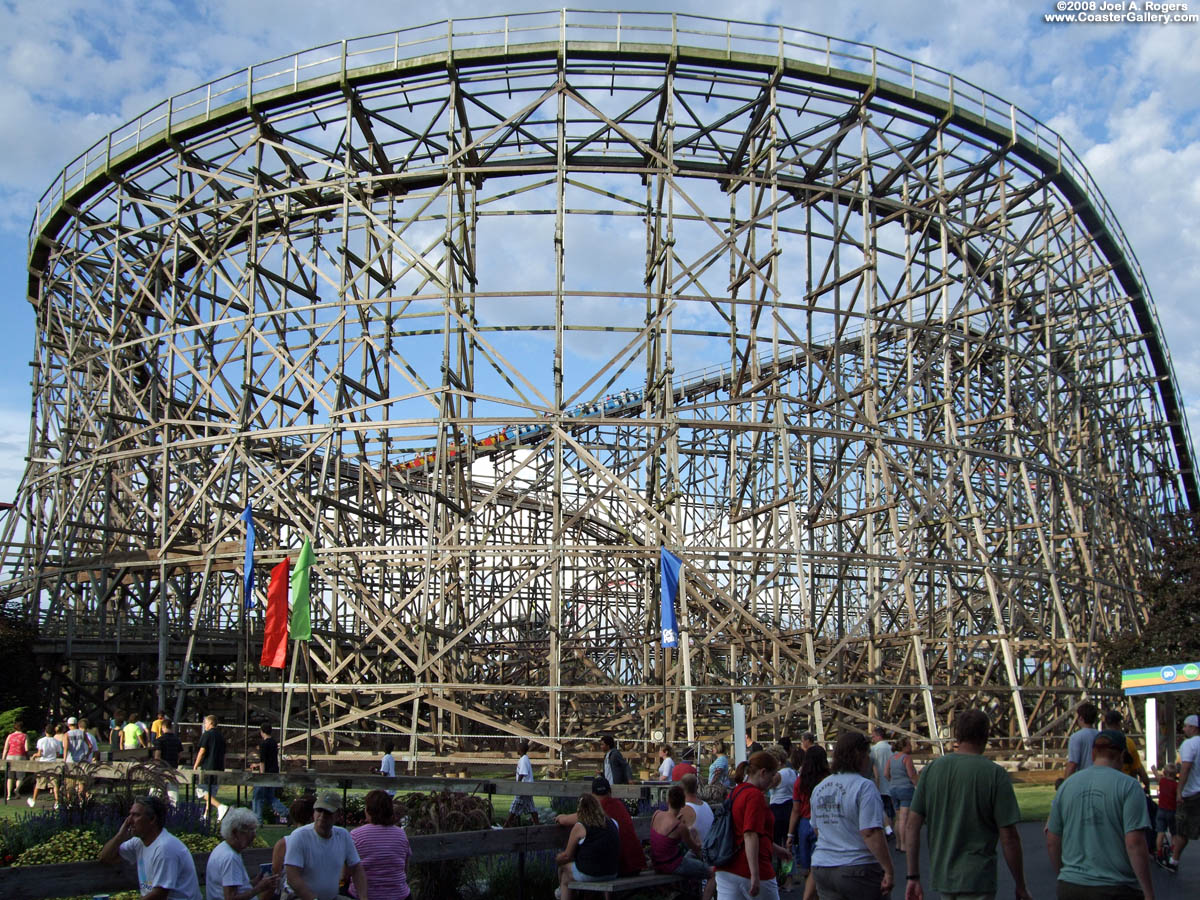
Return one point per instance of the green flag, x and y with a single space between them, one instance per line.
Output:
301 624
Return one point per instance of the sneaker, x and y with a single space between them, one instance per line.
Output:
558 893
1171 865
29 800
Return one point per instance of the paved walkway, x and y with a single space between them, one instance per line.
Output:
1039 876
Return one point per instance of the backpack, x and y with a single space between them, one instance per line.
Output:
720 846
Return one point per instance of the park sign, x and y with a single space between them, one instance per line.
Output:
1161 679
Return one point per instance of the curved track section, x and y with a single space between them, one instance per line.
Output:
923 470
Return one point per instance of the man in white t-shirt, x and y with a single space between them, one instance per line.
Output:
49 750
164 866
316 854
387 764
1187 812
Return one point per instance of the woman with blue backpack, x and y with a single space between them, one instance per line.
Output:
749 873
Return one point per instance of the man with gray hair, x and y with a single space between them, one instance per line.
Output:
165 869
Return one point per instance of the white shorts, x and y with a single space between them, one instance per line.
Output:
735 887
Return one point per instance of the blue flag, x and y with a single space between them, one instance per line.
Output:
669 565
248 518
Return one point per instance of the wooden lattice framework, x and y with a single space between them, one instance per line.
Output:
928 429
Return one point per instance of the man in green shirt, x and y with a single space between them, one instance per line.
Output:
1094 834
969 803
132 737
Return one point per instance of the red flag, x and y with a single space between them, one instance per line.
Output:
275 630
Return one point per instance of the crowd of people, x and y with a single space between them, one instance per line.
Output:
795 815
312 862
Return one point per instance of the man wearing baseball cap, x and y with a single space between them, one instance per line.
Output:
316 853
78 748
1094 833
1187 813
631 860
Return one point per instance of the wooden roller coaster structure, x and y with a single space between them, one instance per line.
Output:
385 291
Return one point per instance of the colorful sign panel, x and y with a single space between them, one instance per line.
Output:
1162 679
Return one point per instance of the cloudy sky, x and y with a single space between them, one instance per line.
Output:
1125 96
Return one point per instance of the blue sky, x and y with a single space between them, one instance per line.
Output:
1124 96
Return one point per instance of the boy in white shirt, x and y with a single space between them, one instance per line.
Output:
49 750
522 803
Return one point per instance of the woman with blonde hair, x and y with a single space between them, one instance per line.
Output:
593 848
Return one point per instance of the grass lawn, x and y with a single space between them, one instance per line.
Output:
1034 800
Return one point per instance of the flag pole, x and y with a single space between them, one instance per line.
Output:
686 650
287 704
246 671
308 737
247 600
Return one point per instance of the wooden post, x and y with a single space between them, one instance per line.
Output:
686 650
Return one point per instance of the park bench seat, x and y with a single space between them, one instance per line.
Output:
609 889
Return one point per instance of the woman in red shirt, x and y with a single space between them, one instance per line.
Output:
749 873
16 747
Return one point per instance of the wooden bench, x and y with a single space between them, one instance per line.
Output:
610 889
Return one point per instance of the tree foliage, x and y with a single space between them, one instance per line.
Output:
1171 633
24 693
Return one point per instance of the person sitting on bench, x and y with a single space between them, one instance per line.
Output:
593 848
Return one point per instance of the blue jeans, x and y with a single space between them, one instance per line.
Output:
261 798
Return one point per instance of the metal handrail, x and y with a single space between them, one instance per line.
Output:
680 30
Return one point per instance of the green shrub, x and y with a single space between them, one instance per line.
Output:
75 845
10 717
